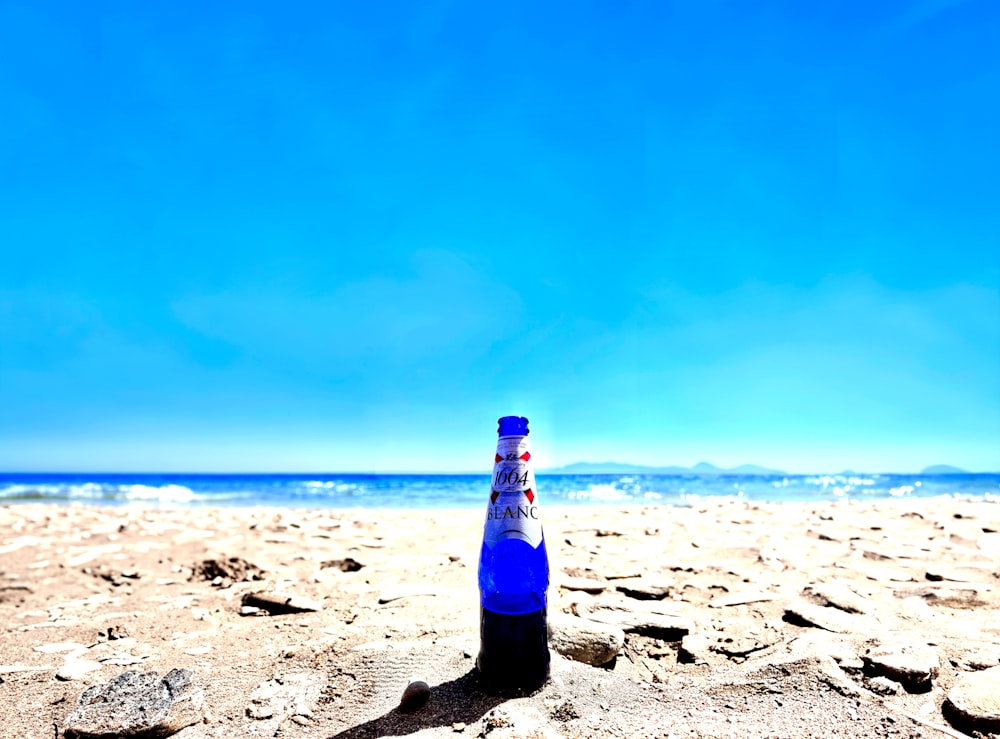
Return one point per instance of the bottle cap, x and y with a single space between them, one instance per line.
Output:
512 426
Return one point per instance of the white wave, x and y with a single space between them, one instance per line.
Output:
163 493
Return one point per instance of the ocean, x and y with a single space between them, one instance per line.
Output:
469 491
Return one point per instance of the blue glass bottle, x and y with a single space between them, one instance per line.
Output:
513 571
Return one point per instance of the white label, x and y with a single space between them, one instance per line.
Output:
513 508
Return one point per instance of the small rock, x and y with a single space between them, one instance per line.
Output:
76 669
584 641
913 665
347 564
694 649
981 659
973 703
883 686
137 705
415 695
234 569
520 722
277 603
739 599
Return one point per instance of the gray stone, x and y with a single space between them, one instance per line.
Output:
910 664
585 641
840 596
974 701
137 705
414 696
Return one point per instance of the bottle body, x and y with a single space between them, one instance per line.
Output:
513 572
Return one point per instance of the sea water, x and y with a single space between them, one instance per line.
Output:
331 490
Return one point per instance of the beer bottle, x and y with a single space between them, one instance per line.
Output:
513 572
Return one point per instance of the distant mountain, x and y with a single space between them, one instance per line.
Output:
943 469
622 468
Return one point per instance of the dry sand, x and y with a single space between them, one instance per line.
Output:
787 609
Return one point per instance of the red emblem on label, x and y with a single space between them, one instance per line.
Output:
526 456
498 458
529 495
493 496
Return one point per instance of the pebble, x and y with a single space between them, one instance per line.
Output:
974 701
137 705
911 664
415 695
584 641
76 669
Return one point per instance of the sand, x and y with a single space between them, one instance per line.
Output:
840 618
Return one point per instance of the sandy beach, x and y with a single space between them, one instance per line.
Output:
728 619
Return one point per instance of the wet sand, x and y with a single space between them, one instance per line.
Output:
839 618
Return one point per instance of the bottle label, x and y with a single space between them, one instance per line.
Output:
513 508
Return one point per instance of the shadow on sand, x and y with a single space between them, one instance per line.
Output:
456 701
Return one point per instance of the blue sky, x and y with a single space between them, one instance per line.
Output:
349 236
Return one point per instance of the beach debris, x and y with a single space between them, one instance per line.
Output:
276 603
415 696
650 618
913 665
694 649
739 599
347 564
839 596
973 703
584 641
137 705
223 572
286 696
76 669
